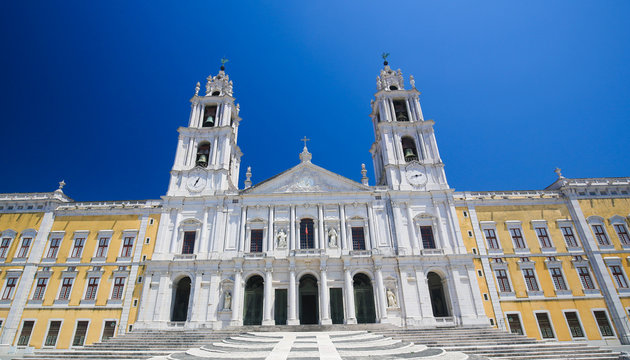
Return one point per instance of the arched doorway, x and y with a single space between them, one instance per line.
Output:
438 297
254 298
364 299
180 302
309 313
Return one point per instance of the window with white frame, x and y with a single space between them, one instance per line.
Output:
428 241
573 321
92 288
530 279
491 238
4 246
256 240
619 224
53 248
9 288
40 288
119 285
127 246
603 323
77 248
599 230
569 235
543 237
618 276
585 277
358 238
24 248
66 288
544 324
101 249
514 322
517 238
503 280
558 279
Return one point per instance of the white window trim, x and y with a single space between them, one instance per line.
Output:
91 274
614 335
419 221
44 346
66 274
116 274
569 223
10 274
583 338
618 220
616 261
134 233
52 236
40 275
585 263
74 334
517 224
17 337
543 224
108 234
553 328
559 292
520 319
79 234
255 224
103 327
502 294
8 234
531 265
484 225
30 234
598 220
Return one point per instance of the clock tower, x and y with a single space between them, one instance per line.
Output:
405 153
208 158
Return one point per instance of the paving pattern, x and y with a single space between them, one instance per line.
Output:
332 345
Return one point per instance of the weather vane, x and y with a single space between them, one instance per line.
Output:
385 56
223 61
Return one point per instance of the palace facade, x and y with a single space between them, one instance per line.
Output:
309 246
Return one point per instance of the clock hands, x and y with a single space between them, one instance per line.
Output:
197 181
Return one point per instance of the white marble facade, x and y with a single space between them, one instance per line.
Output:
411 196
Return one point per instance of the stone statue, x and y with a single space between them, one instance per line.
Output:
281 238
197 88
332 237
391 299
412 81
227 301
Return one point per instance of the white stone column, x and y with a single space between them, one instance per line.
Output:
268 302
322 232
424 297
371 226
164 299
241 242
342 218
324 297
292 229
293 320
215 147
351 317
197 296
270 232
204 239
380 291
175 235
147 299
236 298
215 296
412 230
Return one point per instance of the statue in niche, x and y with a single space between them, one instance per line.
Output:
281 239
391 299
227 301
332 237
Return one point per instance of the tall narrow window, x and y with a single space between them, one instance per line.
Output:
119 285
189 242
603 323
585 278
410 152
545 326
108 332
543 237
530 280
26 244
517 237
127 246
25 334
622 232
209 116
4 247
307 240
101 251
358 238
558 279
600 235
428 242
617 274
79 335
53 249
92 287
574 324
53 333
203 153
40 289
400 108
66 289
502 279
9 288
491 238
515 324
569 237
256 240
77 250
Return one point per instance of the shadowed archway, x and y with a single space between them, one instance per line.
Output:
181 299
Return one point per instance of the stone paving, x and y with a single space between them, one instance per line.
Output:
332 345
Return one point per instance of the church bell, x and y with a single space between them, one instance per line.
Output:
202 160
209 122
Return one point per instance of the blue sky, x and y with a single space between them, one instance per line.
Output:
93 92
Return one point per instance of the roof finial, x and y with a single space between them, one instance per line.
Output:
559 173
364 178
385 56
62 184
248 176
305 156
197 88
223 61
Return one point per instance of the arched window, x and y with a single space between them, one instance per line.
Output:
209 116
203 152
307 234
409 149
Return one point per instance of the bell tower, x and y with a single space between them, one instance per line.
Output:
208 158
405 153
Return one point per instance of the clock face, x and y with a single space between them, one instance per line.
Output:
196 182
416 174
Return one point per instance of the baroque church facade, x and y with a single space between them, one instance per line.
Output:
309 246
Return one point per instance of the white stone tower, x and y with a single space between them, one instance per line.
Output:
208 158
405 153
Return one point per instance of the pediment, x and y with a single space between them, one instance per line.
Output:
306 178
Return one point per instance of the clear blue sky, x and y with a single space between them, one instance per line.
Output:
93 92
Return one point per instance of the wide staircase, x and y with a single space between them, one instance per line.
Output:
350 341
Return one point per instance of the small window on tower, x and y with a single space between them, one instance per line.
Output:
409 149
203 152
209 116
400 108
